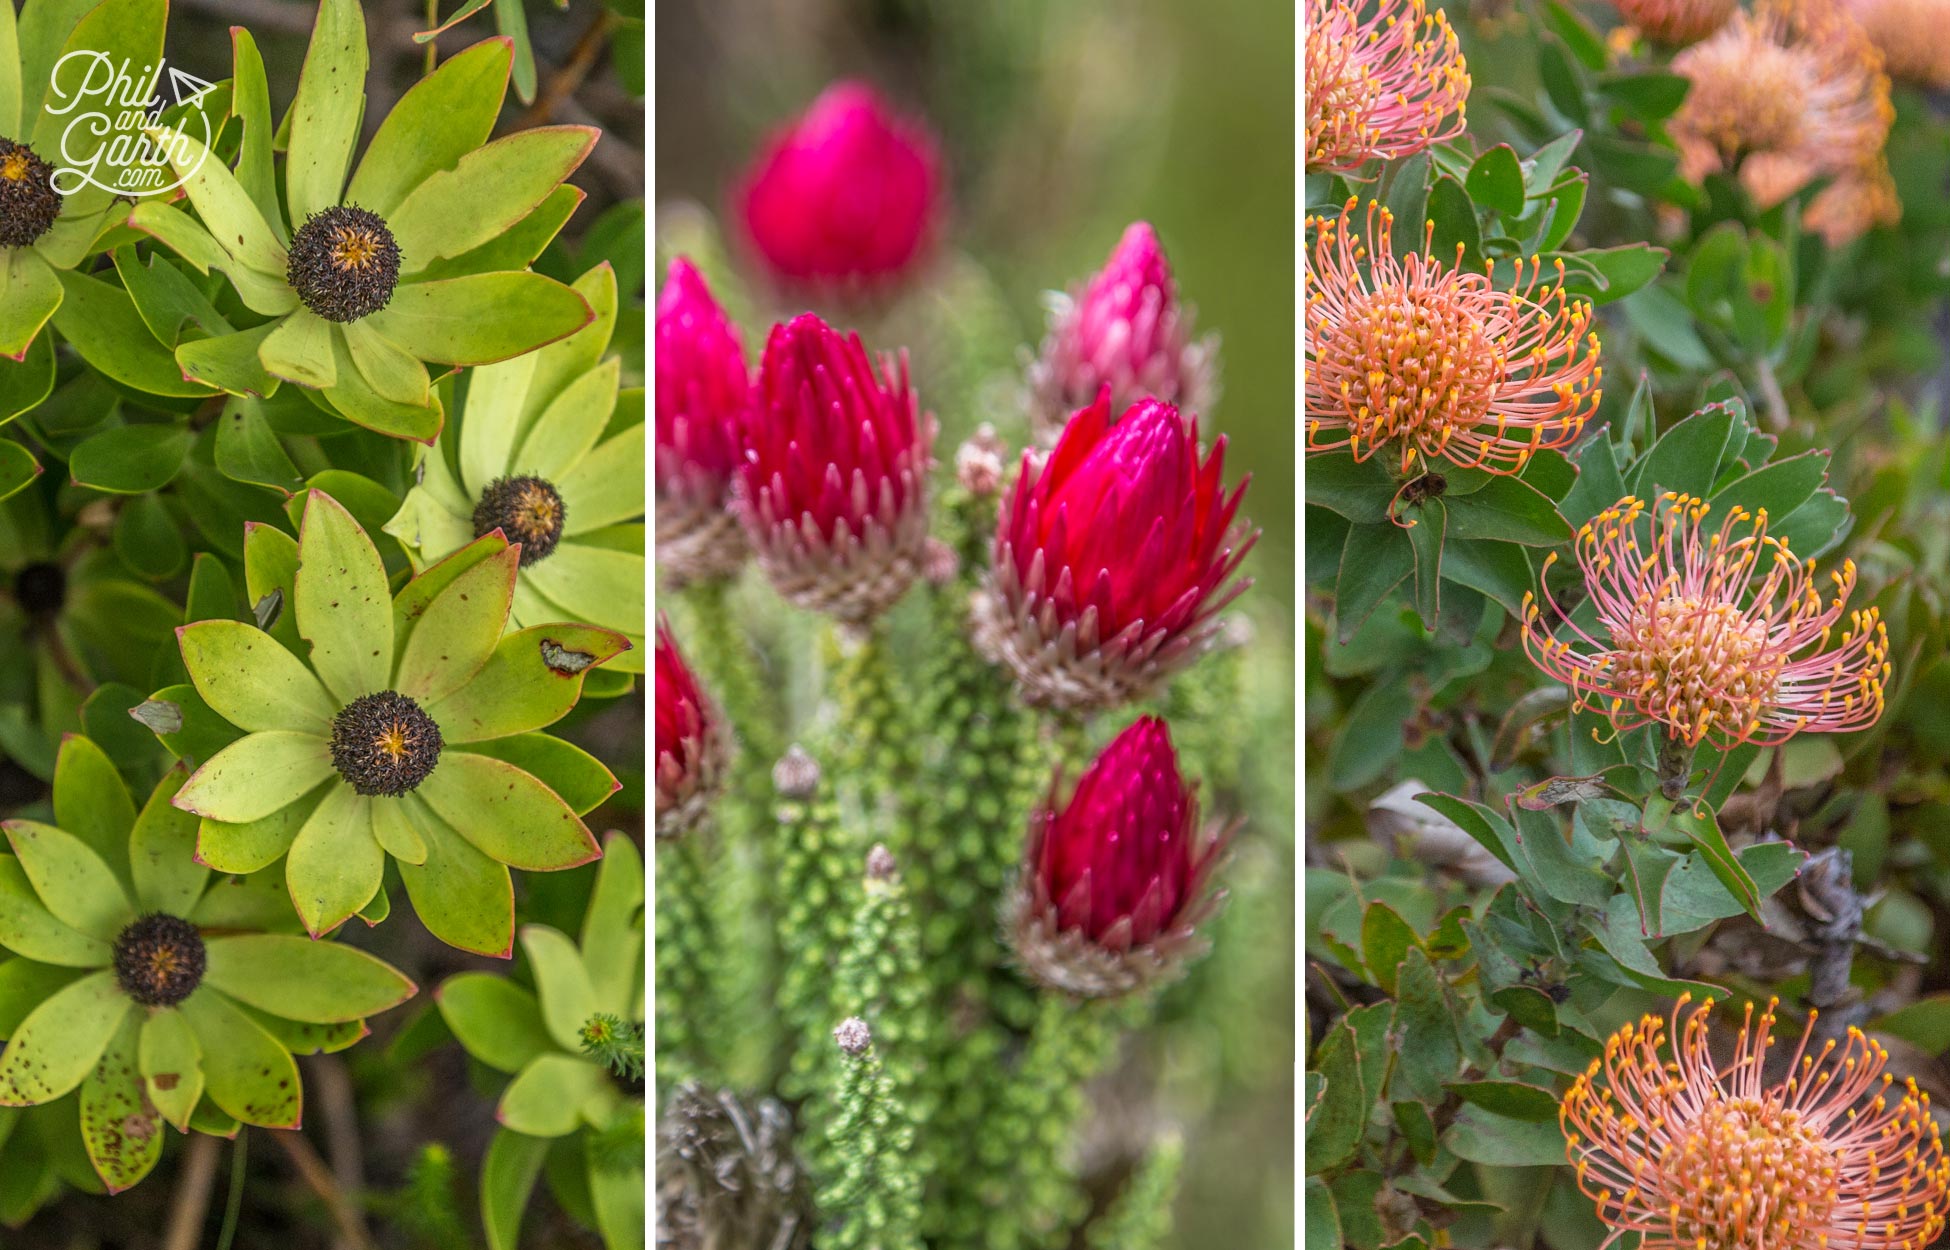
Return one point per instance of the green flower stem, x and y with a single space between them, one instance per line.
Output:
817 869
686 949
1140 1217
745 902
877 749
879 976
1023 1151
874 1201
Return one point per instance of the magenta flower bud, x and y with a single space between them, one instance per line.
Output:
833 490
1116 881
1112 559
1125 330
693 743
847 198
703 388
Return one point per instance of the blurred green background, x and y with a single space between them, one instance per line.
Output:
1061 123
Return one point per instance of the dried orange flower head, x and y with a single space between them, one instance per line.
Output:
1724 634
1912 35
1433 361
1384 86
1677 22
1693 1155
1784 94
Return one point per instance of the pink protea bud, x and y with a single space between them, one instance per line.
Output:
703 388
833 491
1116 881
1670 1142
1126 330
693 742
1112 559
845 199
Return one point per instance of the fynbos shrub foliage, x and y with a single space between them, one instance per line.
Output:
1625 627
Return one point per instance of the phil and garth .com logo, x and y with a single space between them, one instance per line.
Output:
115 136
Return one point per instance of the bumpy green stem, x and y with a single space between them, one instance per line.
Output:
686 951
1023 1151
817 861
874 1199
879 976
876 749
1140 1217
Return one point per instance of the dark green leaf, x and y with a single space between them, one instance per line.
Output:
1496 181
1508 1098
1508 510
130 459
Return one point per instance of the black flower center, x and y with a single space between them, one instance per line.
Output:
41 588
383 744
528 510
159 960
28 201
344 263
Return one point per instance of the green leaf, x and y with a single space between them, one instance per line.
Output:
71 880
162 852
1370 740
611 940
487 192
24 385
439 120
17 468
1427 522
30 930
1560 79
1489 829
343 606
1454 218
1385 941
1687 457
582 780
245 1071
457 632
1376 559
247 449
550 1095
1508 510
481 319
1776 489
1425 1019
1617 271
100 321
131 459
298 979
1695 897
1512 1099
247 677
1496 181
122 1131
1499 570
1649 97
1584 42
497 1021
508 1175
508 815
301 350
567 997
464 898
520 689
1924 1024
256 776
335 865
1703 830
324 119
1336 1123
171 1064
56 1047
1482 1136
30 293
1529 1007
1322 1218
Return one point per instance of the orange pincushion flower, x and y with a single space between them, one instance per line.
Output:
1785 94
1434 361
1692 641
1912 35
1690 1154
1677 21
1387 86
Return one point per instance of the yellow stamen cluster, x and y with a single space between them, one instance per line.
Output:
14 165
355 247
1385 86
1697 1154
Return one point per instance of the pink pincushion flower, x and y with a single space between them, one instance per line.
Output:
703 388
1434 362
1687 1152
1116 880
1381 87
1111 558
846 196
833 491
1126 330
692 742
1724 636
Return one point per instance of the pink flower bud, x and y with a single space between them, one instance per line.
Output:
692 740
703 388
